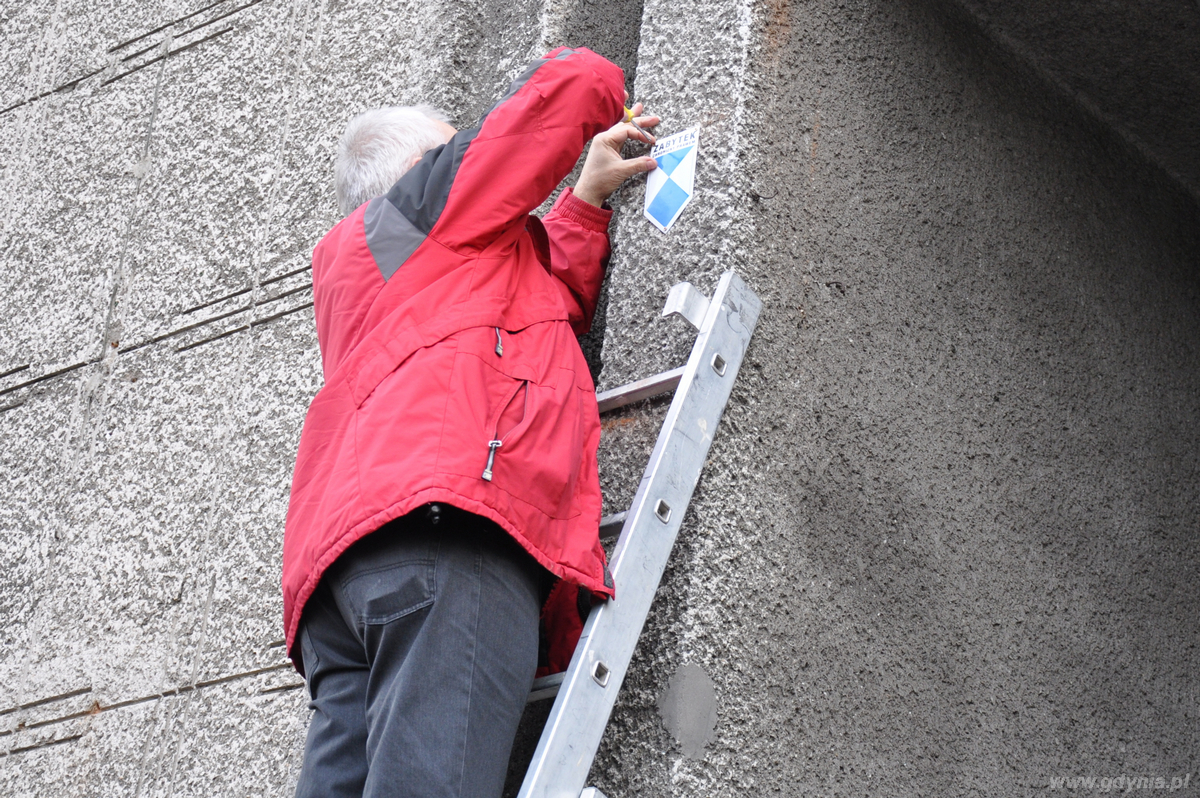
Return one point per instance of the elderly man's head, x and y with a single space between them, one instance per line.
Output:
379 146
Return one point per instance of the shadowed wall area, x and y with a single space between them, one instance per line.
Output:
945 541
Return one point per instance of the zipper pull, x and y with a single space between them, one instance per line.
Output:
499 344
492 447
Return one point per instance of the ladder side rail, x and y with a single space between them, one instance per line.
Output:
611 525
585 700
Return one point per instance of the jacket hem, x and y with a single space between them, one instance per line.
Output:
368 525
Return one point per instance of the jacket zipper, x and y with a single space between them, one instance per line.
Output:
497 442
499 344
492 447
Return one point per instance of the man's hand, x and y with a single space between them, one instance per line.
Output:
605 170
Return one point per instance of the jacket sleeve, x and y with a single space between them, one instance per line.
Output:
525 145
579 250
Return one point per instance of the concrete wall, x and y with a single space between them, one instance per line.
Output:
945 541
1134 64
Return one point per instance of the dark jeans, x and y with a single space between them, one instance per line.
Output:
419 648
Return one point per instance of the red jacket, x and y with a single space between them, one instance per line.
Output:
447 318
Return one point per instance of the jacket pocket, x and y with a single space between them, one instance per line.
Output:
539 460
510 417
517 423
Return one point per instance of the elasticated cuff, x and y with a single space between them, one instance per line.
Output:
583 213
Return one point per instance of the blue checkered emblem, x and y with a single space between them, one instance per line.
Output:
669 187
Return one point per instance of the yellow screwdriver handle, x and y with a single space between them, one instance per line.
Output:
629 120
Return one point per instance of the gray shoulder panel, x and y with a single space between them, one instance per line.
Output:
391 237
398 222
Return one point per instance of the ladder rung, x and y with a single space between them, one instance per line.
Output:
637 391
545 687
610 526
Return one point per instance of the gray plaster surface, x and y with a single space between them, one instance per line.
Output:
945 541
1132 63
689 709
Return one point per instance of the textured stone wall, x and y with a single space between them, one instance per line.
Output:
945 541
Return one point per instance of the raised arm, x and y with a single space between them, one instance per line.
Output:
484 182
579 250
577 226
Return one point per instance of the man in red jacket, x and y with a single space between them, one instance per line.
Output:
446 477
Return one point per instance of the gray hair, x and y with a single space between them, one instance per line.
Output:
377 148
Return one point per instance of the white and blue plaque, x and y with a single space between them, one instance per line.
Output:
669 187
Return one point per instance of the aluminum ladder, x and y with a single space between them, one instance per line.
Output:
586 692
